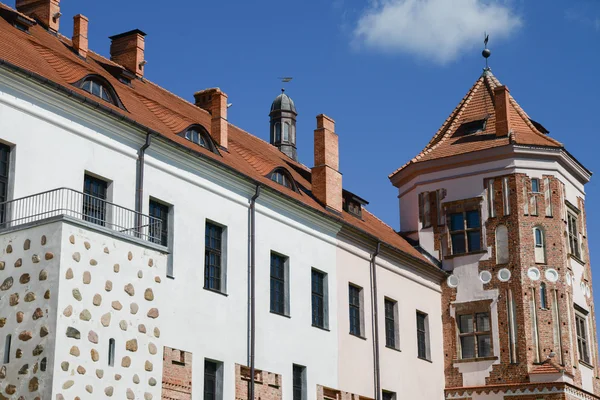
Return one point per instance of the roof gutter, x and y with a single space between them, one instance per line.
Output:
83 99
139 190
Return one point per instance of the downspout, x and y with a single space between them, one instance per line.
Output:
376 372
252 289
139 191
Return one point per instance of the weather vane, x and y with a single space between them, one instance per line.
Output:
486 53
285 79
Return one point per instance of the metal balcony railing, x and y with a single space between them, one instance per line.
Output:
78 205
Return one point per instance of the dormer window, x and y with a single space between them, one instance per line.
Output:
200 136
352 204
100 89
282 177
471 127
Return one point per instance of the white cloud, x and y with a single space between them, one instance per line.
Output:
433 29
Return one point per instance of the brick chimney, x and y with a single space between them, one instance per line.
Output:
502 111
215 102
46 12
326 179
127 49
80 35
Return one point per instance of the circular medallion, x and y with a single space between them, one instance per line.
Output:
504 275
485 276
533 273
452 281
551 275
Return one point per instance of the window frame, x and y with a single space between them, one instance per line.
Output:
324 299
301 385
96 195
465 231
204 139
5 178
423 337
163 216
111 352
475 333
573 233
581 330
220 270
286 178
537 184
217 375
539 245
281 280
104 87
356 306
392 334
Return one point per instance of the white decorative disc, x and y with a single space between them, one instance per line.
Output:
485 276
533 273
452 281
504 275
551 275
588 291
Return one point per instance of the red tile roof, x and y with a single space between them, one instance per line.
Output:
479 104
51 57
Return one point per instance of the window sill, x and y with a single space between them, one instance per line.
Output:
466 360
357 336
393 348
280 314
425 359
171 277
216 291
579 260
321 328
465 254
586 364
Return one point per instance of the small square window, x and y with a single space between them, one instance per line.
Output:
535 185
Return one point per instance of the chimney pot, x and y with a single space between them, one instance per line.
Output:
46 12
127 49
80 35
215 102
326 179
502 111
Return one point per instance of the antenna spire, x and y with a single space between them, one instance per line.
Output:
486 53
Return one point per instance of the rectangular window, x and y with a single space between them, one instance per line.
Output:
210 380
355 309
475 336
535 185
319 298
465 232
279 284
426 210
525 197
7 349
391 324
159 223
490 193
388 395
422 336
94 200
573 234
506 195
111 352
299 382
213 257
4 178
440 195
582 339
548 197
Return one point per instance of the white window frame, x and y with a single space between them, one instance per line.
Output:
506 195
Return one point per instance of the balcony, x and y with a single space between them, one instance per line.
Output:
90 210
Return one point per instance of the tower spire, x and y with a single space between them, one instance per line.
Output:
486 53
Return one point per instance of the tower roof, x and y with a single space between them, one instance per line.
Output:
283 102
476 110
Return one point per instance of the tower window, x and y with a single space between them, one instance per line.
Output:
535 185
538 235
99 89
286 132
465 232
573 234
582 338
543 297
277 132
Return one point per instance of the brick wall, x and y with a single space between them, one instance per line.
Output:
267 385
177 375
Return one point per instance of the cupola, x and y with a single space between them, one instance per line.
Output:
283 125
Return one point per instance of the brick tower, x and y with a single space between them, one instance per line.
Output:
501 205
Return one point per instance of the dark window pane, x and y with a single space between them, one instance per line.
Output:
298 382
159 223
473 219
535 185
94 206
278 283
484 345
318 301
467 344
456 222
390 324
212 256
4 177
466 323
210 380
354 309
421 335
474 238
458 243
483 322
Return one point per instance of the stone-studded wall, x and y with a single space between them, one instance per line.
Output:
28 294
267 385
107 291
177 374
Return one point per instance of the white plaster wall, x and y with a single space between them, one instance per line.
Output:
40 263
587 377
401 371
118 263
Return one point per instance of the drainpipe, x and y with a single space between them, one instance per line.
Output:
252 289
376 372
139 194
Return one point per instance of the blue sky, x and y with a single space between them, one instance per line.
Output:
388 71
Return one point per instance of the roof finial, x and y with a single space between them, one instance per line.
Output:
486 53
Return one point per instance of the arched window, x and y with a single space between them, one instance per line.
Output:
501 244
286 132
196 136
99 89
543 298
283 178
277 132
540 251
